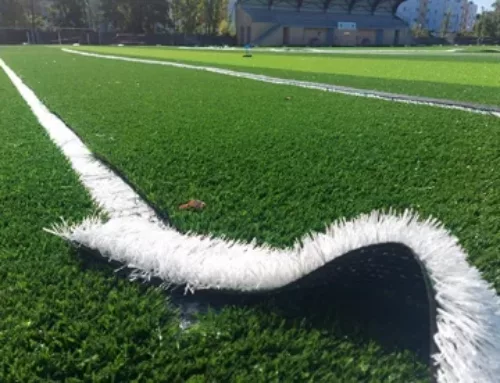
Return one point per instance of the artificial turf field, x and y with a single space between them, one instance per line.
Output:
464 75
271 162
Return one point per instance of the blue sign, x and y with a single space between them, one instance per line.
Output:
346 25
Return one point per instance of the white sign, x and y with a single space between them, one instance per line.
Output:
346 25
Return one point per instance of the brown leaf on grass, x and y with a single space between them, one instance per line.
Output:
193 204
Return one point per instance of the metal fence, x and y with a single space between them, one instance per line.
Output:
92 37
471 40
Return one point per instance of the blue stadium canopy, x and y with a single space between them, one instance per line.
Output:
320 19
340 6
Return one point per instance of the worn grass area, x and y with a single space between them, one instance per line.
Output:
64 318
456 77
275 162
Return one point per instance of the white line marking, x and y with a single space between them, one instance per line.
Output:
109 192
307 51
468 317
407 99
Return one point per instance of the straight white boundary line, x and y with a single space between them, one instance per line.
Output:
326 51
108 191
407 99
468 315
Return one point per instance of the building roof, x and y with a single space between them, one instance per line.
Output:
308 19
337 6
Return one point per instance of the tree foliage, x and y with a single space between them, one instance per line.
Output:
187 15
419 31
488 23
214 12
13 13
201 16
133 16
445 25
136 16
68 13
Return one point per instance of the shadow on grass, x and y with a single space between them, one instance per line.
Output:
488 50
377 293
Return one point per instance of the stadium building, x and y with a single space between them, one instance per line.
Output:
320 23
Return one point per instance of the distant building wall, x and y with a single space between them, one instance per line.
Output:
243 21
275 38
471 16
431 14
409 11
297 36
366 37
345 38
315 36
258 29
438 11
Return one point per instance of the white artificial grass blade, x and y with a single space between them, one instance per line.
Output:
468 314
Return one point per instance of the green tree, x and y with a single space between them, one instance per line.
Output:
214 11
224 27
445 25
201 16
69 13
13 13
188 15
419 31
136 16
488 24
496 18
94 13
232 22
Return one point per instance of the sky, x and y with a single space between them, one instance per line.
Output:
484 3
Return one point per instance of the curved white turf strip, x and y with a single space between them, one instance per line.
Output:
109 192
407 99
468 316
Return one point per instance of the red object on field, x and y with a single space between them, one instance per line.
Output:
193 204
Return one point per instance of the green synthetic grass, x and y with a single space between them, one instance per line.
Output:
456 77
273 168
63 318
414 52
